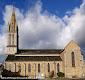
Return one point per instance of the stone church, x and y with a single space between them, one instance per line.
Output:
36 63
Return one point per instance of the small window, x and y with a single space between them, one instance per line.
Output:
12 28
73 59
29 67
58 67
13 39
39 68
19 67
48 67
9 67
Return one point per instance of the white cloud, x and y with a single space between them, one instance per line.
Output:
45 30
76 24
2 47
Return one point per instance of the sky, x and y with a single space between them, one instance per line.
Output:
44 24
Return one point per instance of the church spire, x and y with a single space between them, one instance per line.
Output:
13 19
12 35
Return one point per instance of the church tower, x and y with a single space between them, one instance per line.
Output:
12 35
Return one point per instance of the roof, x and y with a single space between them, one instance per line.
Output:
40 51
33 58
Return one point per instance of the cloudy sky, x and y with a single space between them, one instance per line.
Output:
44 24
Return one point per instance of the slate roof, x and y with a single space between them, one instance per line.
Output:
40 51
33 58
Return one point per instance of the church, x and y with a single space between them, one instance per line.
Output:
36 63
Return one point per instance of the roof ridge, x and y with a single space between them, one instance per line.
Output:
40 49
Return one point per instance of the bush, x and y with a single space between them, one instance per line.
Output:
60 74
7 73
51 74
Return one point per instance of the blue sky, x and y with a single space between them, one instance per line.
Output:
57 7
44 23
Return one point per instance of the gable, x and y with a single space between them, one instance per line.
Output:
72 46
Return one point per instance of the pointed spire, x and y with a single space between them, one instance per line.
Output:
13 19
13 10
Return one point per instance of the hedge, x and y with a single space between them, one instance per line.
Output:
60 74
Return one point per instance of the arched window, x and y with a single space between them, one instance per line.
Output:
73 59
12 28
58 69
14 67
19 67
9 39
13 39
48 67
38 67
29 67
9 67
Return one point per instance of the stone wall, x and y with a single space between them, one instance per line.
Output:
77 70
34 68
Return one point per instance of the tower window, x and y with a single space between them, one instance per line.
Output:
58 69
13 39
9 39
29 67
73 59
12 28
38 67
48 67
19 67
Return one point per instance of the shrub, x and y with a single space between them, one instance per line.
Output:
7 73
51 74
60 74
